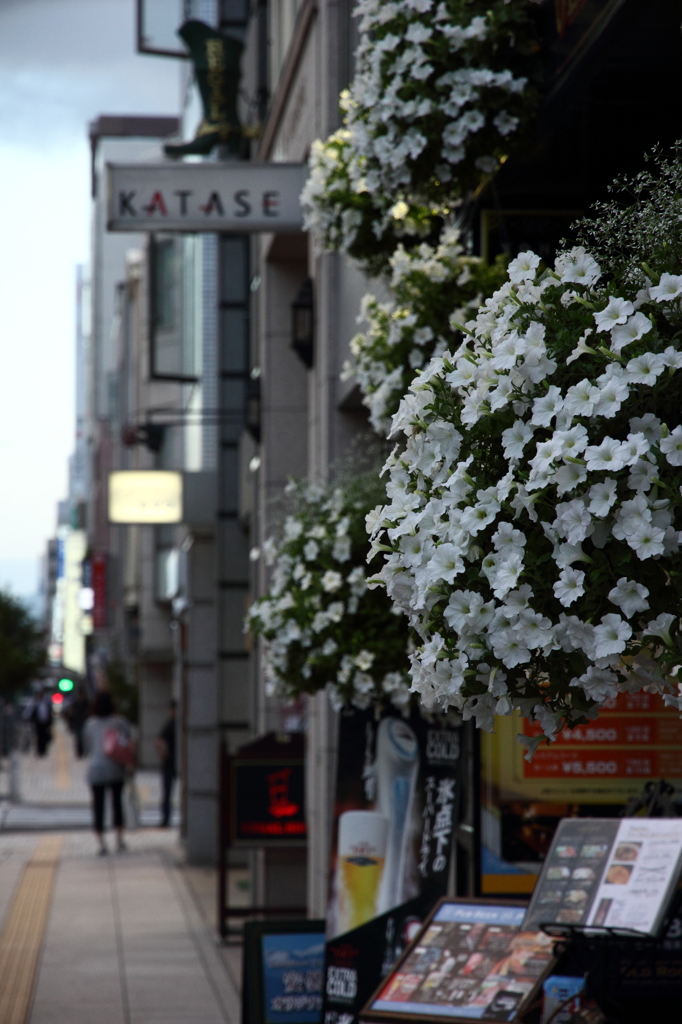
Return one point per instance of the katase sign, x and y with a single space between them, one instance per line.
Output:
237 196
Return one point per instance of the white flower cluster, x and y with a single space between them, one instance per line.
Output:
434 105
433 288
532 529
321 626
429 84
342 214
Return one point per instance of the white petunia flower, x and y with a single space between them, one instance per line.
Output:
646 541
660 627
581 399
630 596
611 635
311 550
603 496
671 446
668 288
642 475
598 683
582 348
645 369
547 407
510 650
648 424
446 563
523 267
568 477
608 455
577 267
569 587
624 334
672 357
331 581
506 538
573 521
635 448
616 312
515 439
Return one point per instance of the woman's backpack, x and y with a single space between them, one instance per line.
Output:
119 747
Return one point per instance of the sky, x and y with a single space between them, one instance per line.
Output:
62 64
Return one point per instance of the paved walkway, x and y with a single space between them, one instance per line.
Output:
51 792
109 940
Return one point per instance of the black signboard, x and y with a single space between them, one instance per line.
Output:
357 960
472 961
267 793
282 972
268 802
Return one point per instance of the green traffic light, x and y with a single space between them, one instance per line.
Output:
65 685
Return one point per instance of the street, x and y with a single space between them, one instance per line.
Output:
123 939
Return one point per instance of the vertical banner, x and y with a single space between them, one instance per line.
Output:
395 813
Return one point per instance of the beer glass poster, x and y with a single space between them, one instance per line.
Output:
394 817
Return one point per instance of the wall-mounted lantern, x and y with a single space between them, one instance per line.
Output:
302 323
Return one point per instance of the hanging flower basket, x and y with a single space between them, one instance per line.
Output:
321 626
441 94
531 533
433 289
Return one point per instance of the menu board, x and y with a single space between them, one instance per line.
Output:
471 961
605 873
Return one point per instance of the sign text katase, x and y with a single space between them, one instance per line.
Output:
237 196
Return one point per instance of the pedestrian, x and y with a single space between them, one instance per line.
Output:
166 749
40 714
109 744
76 714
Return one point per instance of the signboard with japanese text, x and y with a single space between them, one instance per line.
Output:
282 970
395 814
591 770
196 197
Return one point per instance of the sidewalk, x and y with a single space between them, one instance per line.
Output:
113 940
53 792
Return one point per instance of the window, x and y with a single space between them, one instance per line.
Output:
175 343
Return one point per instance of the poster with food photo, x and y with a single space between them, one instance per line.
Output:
472 961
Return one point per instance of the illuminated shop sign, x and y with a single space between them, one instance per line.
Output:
145 496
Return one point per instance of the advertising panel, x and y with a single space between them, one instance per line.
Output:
592 770
474 960
283 963
395 814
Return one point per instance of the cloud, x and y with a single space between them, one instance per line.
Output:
63 62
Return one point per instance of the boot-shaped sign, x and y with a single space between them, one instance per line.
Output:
216 59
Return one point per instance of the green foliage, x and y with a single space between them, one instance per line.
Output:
22 652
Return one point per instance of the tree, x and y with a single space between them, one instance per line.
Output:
22 652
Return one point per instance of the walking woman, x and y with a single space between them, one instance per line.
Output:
109 745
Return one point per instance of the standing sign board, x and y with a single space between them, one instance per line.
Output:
472 960
607 874
282 972
395 815
230 196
